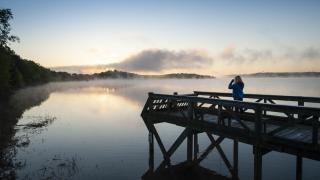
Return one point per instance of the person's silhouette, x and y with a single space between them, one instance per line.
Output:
237 86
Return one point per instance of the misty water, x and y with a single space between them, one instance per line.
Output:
93 130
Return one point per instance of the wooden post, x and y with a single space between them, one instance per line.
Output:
299 168
257 149
235 158
189 147
315 127
265 111
191 110
300 103
258 124
257 163
151 152
219 115
195 145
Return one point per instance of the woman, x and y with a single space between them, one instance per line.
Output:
237 86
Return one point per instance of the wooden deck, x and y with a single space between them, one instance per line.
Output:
299 133
259 121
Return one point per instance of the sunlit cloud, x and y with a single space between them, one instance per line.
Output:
158 60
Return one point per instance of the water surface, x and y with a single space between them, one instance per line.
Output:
94 129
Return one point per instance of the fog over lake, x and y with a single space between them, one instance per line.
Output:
93 129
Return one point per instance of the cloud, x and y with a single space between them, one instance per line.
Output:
158 60
310 53
232 55
228 52
93 50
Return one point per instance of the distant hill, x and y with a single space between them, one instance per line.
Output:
281 74
128 75
185 76
115 74
101 71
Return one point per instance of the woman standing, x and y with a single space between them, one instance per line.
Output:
237 86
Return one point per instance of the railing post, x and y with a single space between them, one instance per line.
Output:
191 110
151 152
149 100
300 103
172 103
258 123
264 111
220 115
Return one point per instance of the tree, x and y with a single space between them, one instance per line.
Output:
4 73
5 28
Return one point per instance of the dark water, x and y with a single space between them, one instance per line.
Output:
93 130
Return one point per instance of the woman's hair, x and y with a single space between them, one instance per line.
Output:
238 79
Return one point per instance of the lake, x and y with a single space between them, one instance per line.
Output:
93 130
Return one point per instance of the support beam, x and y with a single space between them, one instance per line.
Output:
196 146
189 146
209 149
152 129
235 158
257 163
174 147
222 155
299 168
151 152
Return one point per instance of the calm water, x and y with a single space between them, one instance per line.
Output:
93 130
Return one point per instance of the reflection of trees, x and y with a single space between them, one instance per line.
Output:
12 110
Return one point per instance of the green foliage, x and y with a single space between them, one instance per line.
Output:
16 72
5 37
4 74
16 78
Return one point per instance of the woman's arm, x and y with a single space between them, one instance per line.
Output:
231 84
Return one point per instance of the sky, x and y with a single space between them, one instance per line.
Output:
154 37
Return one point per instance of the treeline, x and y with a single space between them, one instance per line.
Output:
16 72
185 76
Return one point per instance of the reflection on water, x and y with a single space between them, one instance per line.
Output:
82 130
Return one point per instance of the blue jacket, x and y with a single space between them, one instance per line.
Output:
237 90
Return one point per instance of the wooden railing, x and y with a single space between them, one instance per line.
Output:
300 100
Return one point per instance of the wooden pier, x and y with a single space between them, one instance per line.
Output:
264 121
